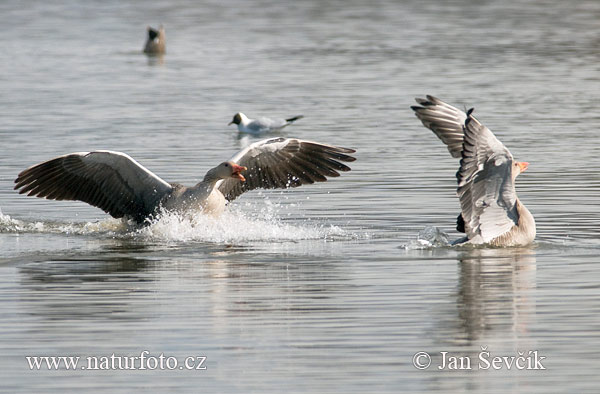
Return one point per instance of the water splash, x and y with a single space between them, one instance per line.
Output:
107 226
429 237
233 226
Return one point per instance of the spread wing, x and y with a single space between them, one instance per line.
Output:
486 188
280 163
485 185
444 120
111 181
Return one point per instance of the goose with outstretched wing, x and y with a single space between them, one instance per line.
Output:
120 186
491 212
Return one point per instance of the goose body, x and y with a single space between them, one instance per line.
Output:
491 212
119 185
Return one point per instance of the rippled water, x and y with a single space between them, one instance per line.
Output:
324 288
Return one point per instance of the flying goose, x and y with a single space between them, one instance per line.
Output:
260 125
120 186
156 42
491 212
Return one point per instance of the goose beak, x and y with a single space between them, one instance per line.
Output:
523 165
236 172
230 123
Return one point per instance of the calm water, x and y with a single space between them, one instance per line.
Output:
323 288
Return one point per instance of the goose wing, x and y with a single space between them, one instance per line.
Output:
444 120
111 181
280 163
486 187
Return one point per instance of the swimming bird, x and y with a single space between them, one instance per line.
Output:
156 42
120 186
491 212
260 125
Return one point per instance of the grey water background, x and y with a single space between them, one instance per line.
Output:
322 288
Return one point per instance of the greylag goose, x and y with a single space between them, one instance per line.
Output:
119 185
260 125
156 42
491 212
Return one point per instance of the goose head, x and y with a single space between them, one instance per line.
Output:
229 169
518 168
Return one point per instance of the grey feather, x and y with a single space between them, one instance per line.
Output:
486 188
280 163
444 120
111 181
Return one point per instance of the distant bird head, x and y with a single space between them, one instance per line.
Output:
156 34
152 33
237 119
519 167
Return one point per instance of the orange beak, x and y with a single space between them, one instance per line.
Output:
236 172
523 165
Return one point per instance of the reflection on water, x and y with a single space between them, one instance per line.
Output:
156 60
493 303
495 291
76 290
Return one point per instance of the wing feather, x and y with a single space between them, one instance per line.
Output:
444 120
111 181
280 163
486 189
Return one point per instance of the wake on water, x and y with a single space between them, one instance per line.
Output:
230 227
